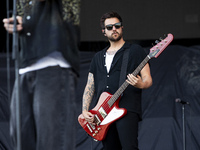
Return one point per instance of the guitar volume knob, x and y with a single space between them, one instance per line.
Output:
96 131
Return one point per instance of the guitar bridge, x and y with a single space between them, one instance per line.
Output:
89 128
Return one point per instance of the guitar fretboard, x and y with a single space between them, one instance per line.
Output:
125 84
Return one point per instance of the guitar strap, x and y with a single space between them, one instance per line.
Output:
124 66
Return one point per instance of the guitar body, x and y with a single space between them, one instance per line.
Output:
104 117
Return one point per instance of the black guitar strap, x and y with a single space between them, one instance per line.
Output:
124 67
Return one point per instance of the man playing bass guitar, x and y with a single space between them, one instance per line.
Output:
104 76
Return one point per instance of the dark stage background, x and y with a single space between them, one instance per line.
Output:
142 20
176 72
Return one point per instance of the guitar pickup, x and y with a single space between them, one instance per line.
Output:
103 112
97 120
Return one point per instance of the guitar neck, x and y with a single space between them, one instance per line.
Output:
122 88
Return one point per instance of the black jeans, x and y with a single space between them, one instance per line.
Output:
47 109
123 133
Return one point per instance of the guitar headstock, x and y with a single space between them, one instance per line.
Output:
156 50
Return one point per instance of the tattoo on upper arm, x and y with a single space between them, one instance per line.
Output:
88 92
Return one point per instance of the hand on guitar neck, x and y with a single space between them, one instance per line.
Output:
142 82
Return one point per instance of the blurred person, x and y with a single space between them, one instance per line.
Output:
49 67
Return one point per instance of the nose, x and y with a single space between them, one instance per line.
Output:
113 28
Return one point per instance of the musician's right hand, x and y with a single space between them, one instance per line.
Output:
9 24
89 117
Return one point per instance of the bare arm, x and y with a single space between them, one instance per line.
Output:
144 81
87 98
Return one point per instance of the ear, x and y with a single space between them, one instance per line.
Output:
103 31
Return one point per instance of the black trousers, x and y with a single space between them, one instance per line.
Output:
123 133
48 110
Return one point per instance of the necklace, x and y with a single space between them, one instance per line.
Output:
111 52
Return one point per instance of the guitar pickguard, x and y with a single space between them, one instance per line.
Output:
113 115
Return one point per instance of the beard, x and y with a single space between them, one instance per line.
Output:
115 39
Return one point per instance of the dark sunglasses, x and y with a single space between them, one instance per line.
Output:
110 26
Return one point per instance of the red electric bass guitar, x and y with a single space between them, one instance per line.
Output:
107 111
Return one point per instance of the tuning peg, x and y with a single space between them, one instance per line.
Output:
161 38
157 41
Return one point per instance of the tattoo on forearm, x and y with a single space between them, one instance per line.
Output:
88 92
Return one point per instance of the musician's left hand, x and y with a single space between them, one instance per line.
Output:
135 81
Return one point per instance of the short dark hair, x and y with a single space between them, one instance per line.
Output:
107 15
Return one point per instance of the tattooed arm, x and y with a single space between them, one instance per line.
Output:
87 98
